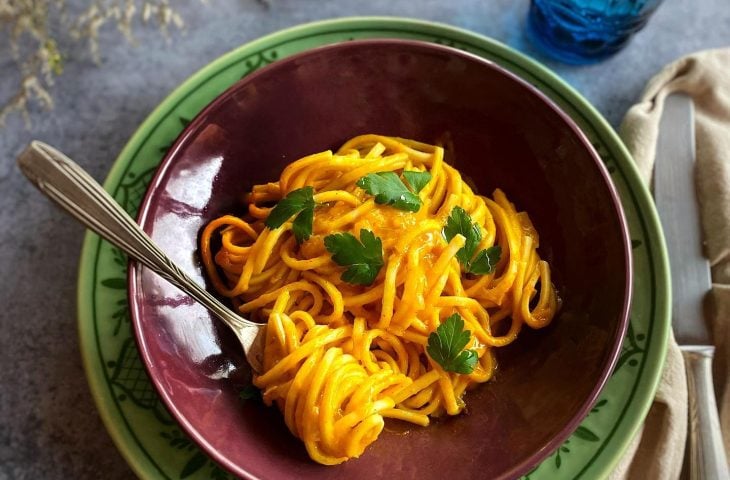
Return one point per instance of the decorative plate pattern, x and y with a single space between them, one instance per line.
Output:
151 441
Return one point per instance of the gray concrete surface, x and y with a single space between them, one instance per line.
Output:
49 428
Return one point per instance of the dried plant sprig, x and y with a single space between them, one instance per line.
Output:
123 13
27 26
38 59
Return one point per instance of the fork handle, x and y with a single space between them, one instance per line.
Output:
707 459
70 187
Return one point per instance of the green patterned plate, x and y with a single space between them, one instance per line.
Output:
144 432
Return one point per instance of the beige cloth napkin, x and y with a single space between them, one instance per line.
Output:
658 449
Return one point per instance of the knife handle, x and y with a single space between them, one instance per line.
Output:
707 458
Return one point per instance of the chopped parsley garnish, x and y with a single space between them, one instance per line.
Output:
416 180
389 189
299 202
363 258
446 346
485 261
459 222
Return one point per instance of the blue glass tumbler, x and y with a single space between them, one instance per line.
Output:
586 31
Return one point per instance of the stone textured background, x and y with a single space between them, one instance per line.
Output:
49 427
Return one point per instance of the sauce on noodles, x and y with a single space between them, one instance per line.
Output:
340 357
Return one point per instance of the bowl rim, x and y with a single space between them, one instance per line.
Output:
134 269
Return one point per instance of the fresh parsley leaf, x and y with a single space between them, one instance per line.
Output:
389 189
364 257
416 180
446 346
296 201
486 260
459 222
249 392
299 202
302 225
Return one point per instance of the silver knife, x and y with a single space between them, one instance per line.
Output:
676 200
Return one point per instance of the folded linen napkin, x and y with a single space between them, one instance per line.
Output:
658 449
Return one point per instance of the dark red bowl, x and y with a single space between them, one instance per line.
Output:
504 134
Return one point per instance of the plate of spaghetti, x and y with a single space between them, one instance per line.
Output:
436 249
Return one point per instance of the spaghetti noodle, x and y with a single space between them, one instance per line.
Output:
340 357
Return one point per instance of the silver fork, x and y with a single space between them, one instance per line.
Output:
70 187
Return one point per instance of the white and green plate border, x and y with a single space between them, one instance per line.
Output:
149 439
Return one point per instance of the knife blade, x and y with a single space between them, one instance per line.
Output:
676 201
